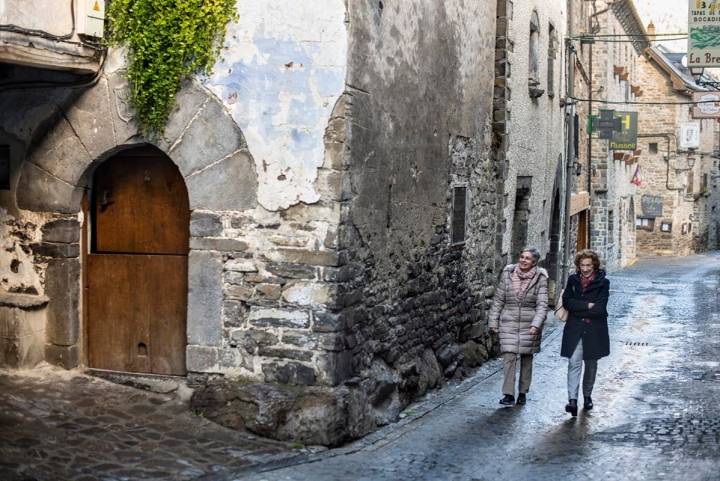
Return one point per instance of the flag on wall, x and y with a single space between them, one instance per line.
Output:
636 179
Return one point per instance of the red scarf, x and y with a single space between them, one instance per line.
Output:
585 281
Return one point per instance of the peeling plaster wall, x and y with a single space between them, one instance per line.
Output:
283 69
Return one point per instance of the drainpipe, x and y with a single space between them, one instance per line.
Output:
667 137
570 154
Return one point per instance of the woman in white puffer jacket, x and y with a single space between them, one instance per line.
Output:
518 312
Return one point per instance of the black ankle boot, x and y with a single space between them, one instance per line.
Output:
571 407
521 399
508 400
588 404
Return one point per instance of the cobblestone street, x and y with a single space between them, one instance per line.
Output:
656 413
656 410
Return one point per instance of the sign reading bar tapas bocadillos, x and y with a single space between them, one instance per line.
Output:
703 33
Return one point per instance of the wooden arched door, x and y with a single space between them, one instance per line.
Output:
136 279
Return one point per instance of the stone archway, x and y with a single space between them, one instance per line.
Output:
201 138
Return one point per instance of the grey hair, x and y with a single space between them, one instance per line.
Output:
532 250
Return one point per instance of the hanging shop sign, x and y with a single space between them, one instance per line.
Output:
690 135
703 33
626 138
707 105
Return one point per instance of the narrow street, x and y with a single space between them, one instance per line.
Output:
656 413
656 410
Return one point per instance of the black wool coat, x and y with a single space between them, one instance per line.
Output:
594 334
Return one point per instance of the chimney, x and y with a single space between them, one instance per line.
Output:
651 31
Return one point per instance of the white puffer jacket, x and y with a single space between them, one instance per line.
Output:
514 318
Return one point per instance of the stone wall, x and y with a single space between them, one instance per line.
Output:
412 302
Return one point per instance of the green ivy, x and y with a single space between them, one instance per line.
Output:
167 40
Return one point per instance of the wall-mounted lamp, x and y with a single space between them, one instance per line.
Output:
697 72
690 162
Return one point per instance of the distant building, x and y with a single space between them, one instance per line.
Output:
677 200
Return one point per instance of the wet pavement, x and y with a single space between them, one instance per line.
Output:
63 425
656 416
657 402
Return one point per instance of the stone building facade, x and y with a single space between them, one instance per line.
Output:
615 79
674 203
529 125
341 196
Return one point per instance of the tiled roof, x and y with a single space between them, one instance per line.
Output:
629 18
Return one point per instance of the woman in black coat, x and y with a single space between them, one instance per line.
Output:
585 337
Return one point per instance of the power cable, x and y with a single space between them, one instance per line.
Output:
622 102
42 33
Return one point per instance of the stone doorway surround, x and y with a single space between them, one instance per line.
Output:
210 151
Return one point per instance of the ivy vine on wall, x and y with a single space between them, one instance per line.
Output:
167 40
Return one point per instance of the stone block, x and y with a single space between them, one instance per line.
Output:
230 184
91 119
63 356
285 353
202 358
55 250
314 415
302 256
123 115
330 185
327 322
269 291
335 156
189 99
251 339
217 244
241 265
62 154
234 313
335 367
62 286
205 224
264 278
307 294
327 211
39 191
270 317
302 339
205 298
22 336
66 231
293 373
211 136
291 271
474 354
242 293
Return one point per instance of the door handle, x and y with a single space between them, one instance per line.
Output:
105 199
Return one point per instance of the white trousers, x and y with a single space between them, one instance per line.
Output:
574 370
